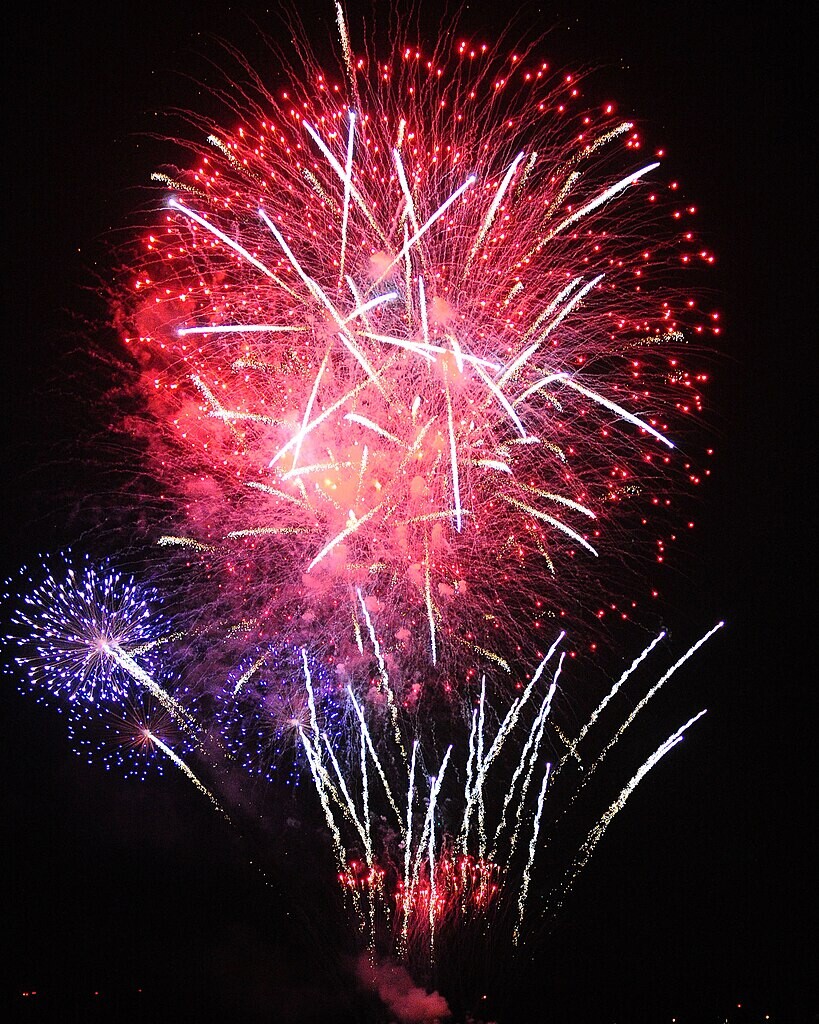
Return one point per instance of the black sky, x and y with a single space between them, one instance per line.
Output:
702 894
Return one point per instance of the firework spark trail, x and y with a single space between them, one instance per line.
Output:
456 195
362 829
186 771
249 672
426 843
479 758
504 730
524 889
533 755
531 746
596 834
321 297
348 172
206 224
139 675
383 675
573 745
601 400
365 732
491 212
425 895
79 628
604 197
318 776
641 704
408 844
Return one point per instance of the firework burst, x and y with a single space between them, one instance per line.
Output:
404 339
123 737
409 372
80 629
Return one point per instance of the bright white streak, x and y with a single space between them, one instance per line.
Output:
318 467
346 532
556 301
435 786
309 407
371 748
219 412
299 437
564 378
493 209
180 764
365 788
363 833
168 540
496 391
265 489
402 178
363 421
206 224
422 294
558 525
457 352
243 678
532 746
506 726
183 332
599 709
639 707
430 609
524 889
575 299
311 700
502 467
315 771
348 180
345 48
365 307
411 346
410 796
382 669
453 457
546 708
479 757
139 675
551 496
596 834
422 348
514 366
408 846
428 224
318 293
609 193
359 301
265 531
356 195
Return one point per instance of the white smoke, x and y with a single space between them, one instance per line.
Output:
403 998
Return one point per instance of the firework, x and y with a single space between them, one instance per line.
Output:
79 629
405 352
263 707
464 842
122 737
409 371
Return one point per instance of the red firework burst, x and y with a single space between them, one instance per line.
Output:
407 355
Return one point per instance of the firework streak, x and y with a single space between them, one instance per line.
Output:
438 871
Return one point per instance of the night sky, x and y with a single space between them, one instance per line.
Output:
701 897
